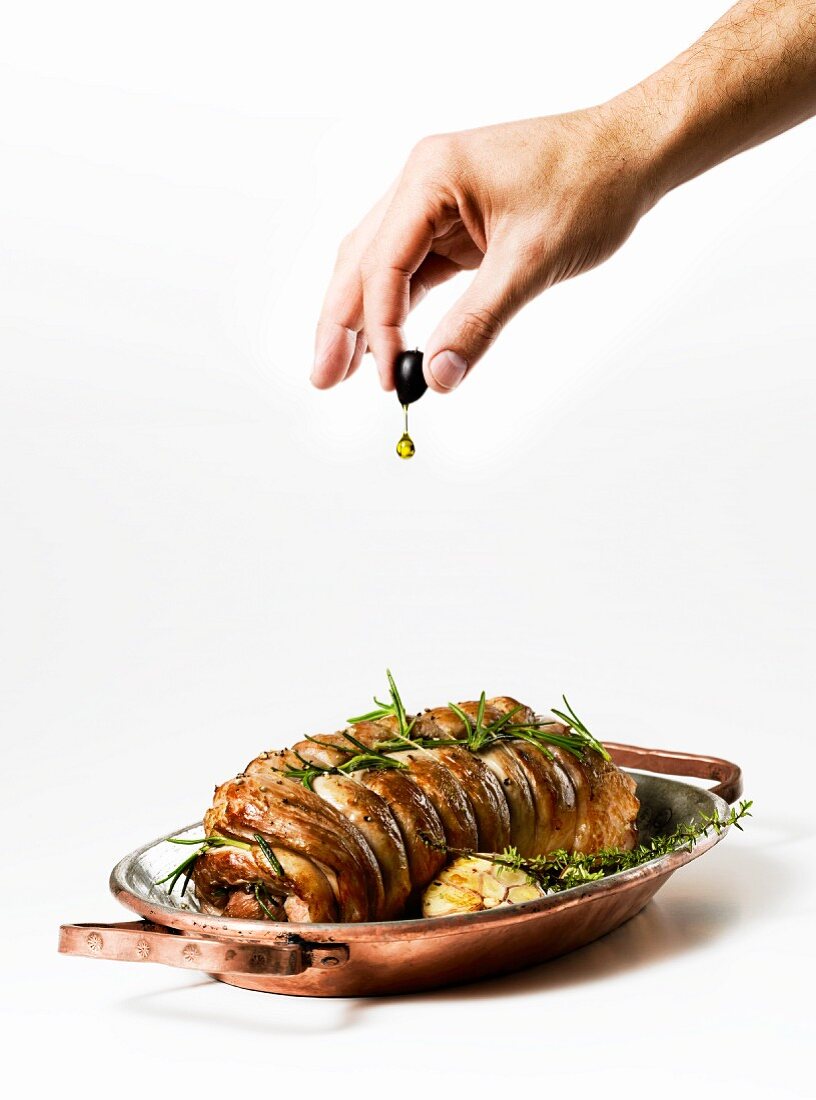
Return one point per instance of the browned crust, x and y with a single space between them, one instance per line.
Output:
361 846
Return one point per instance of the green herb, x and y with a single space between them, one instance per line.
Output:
394 709
370 759
367 757
373 761
561 870
575 740
261 890
579 729
422 743
269 855
262 896
476 733
479 735
186 867
205 844
307 774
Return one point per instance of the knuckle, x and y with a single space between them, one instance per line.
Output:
481 325
431 151
426 145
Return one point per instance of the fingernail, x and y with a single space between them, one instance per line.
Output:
448 369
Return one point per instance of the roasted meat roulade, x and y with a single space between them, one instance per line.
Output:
353 826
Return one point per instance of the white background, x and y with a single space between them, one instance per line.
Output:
201 556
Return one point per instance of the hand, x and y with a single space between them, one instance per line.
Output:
531 203
527 204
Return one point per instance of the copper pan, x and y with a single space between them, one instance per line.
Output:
343 960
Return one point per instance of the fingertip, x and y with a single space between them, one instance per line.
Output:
327 371
445 370
429 378
336 346
385 356
387 381
321 380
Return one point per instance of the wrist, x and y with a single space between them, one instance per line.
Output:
656 118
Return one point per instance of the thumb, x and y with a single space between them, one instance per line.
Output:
472 324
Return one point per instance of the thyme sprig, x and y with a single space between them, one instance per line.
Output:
561 870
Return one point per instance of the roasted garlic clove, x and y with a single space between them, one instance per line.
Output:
469 884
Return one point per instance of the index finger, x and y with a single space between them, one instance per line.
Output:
401 244
339 340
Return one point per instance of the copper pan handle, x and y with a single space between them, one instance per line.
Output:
663 762
141 941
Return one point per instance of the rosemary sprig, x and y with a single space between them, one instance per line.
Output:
423 743
307 774
205 844
394 709
369 758
577 726
269 855
479 735
262 896
561 870
187 865
373 760
476 733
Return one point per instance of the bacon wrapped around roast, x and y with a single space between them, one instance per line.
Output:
319 843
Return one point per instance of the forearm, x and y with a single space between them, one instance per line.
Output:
748 78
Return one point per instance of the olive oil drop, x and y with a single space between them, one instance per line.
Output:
405 446
411 385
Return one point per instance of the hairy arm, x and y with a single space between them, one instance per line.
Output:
528 204
748 78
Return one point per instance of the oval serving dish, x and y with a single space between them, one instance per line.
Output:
343 960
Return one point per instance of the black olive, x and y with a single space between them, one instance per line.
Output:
410 380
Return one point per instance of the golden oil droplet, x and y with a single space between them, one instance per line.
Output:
405 446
